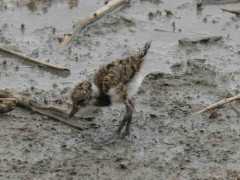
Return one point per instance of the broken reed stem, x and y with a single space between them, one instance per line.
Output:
203 40
7 104
215 105
52 112
236 12
33 60
80 25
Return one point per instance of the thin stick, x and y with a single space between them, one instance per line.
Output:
236 12
33 60
215 105
80 25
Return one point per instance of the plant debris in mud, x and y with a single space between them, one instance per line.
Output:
152 15
7 104
168 13
236 12
34 5
81 24
203 40
154 1
219 1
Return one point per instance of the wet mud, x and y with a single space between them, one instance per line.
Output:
180 80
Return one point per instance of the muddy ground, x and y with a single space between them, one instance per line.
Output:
179 81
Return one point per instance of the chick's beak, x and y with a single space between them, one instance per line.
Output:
73 112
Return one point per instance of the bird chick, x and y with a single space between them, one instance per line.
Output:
115 82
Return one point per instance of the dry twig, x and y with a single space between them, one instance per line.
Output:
33 60
215 105
236 12
80 25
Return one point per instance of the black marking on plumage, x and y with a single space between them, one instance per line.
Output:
145 49
80 102
110 66
103 100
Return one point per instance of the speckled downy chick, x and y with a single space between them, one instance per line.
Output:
115 82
